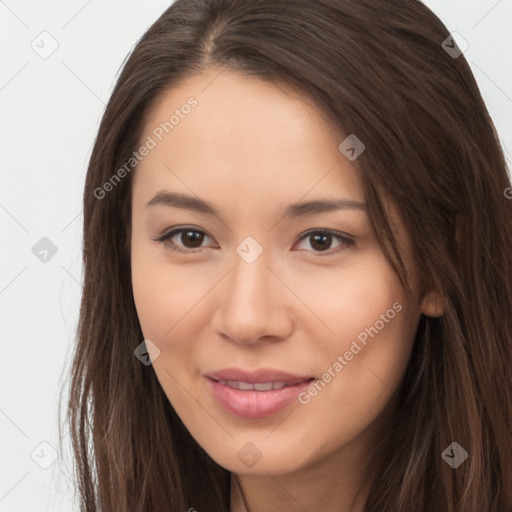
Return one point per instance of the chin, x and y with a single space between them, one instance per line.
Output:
259 458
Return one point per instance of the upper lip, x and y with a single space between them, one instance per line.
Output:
256 376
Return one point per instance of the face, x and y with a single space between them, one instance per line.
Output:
234 281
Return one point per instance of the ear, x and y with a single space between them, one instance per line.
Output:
432 304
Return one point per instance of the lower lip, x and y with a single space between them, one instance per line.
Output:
255 404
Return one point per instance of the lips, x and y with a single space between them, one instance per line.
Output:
258 386
255 394
263 375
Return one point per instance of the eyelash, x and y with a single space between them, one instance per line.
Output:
346 241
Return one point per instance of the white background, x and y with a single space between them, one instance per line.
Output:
50 112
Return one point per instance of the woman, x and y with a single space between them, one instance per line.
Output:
298 283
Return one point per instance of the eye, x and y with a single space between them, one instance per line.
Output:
321 241
191 238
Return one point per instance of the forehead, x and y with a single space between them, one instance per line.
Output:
227 97
243 133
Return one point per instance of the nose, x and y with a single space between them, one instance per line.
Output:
253 304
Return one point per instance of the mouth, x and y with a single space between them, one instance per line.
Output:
255 399
252 377
256 386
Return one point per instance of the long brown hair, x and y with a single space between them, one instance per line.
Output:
378 70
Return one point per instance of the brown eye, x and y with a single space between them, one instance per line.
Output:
191 239
183 239
321 242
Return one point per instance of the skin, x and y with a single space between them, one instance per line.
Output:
251 149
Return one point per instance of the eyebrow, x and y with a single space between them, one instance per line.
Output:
186 202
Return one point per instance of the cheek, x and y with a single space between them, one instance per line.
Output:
164 300
161 298
364 359
347 300
162 292
154 291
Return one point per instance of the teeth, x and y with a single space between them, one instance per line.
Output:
263 386
260 386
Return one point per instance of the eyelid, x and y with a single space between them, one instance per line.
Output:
345 238
347 241
165 237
